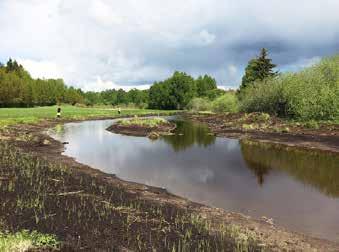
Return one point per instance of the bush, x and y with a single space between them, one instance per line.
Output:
225 103
264 96
199 104
312 94
311 125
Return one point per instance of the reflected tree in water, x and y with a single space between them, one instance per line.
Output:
315 168
187 134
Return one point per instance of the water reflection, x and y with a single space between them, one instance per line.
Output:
187 134
298 189
315 168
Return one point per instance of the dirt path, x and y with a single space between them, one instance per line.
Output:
147 230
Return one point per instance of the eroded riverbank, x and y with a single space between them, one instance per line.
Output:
86 201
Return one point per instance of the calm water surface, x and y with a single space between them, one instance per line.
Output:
298 189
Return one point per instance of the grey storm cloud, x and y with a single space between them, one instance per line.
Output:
98 44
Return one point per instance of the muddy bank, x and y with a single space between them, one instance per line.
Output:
255 126
142 130
52 193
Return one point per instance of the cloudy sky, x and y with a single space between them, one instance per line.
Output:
99 44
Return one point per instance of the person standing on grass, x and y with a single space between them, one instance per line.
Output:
59 112
119 111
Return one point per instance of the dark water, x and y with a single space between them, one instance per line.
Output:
297 188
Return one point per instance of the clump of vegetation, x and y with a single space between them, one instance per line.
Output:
248 126
144 122
225 103
312 94
199 104
261 96
25 240
312 124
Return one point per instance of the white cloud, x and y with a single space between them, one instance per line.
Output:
131 42
100 85
206 38
232 70
41 69
103 13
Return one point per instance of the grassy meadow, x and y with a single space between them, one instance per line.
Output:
10 116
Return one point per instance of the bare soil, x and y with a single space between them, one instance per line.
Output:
273 130
89 210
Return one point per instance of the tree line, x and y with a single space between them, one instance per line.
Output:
19 89
310 94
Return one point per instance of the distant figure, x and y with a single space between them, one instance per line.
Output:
119 111
59 112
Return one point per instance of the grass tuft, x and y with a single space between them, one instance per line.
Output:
25 240
145 122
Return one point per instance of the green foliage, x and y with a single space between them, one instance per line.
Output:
262 117
24 240
225 103
265 96
312 94
174 93
214 93
205 84
311 124
228 102
19 89
117 97
200 104
258 69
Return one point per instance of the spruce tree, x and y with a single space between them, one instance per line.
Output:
258 69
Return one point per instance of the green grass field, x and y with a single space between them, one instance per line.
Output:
10 116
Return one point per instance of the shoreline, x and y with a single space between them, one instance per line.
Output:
266 233
300 138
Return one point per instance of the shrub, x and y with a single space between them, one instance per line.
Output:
264 96
311 125
225 103
199 104
312 94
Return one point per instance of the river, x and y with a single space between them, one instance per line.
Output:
299 189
